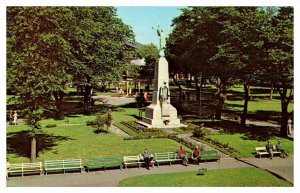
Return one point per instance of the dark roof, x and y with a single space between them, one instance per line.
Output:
134 45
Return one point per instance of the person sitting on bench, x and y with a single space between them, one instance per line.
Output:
269 148
147 158
183 157
280 148
196 155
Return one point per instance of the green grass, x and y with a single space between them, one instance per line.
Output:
112 94
260 100
238 177
121 114
257 105
179 130
125 114
75 119
81 142
246 147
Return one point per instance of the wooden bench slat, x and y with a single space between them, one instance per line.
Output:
166 157
62 165
207 155
25 168
263 151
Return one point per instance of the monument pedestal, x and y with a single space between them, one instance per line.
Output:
160 113
154 119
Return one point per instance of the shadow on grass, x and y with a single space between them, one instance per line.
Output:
260 133
20 142
251 132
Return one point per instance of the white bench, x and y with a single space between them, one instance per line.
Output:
263 151
132 160
23 168
63 165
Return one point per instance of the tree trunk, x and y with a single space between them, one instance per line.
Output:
33 150
87 96
285 100
197 90
271 92
222 97
179 87
246 99
59 96
284 118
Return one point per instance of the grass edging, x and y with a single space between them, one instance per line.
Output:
125 129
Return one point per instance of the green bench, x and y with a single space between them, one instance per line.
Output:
209 155
166 157
25 168
103 163
62 165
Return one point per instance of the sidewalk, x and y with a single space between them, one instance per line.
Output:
111 178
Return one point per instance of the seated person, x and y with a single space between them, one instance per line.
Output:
280 148
183 157
196 155
269 148
147 158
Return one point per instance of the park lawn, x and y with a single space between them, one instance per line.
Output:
74 119
237 177
120 114
79 141
246 147
125 114
257 105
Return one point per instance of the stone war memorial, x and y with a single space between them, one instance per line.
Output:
160 113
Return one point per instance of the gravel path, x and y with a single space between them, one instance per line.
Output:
118 132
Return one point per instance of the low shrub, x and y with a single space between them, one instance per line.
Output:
91 123
51 125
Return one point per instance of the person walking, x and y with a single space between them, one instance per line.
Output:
15 118
7 168
289 126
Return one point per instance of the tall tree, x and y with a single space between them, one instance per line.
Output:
150 53
37 56
279 68
98 45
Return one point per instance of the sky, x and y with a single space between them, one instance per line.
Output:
142 19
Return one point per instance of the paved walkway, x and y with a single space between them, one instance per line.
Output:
279 166
111 178
118 132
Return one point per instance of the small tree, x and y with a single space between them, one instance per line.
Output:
109 119
100 122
